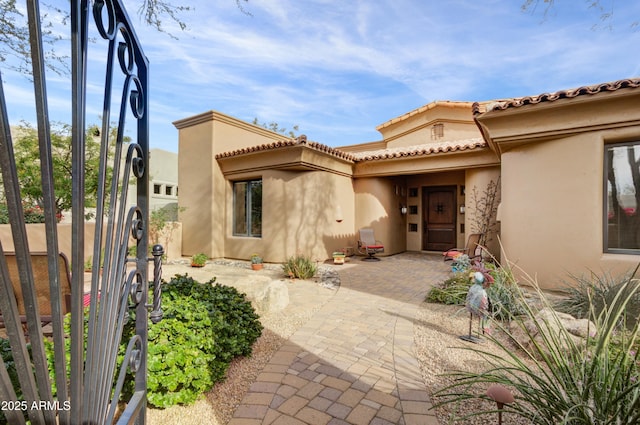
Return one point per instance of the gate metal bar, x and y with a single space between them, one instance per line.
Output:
93 391
79 41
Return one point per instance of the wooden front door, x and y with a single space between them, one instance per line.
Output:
439 218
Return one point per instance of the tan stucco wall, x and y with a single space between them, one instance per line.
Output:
171 240
552 182
303 188
378 207
299 205
37 239
163 170
552 224
414 128
442 162
299 213
203 187
196 183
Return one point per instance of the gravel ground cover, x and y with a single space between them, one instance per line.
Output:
441 351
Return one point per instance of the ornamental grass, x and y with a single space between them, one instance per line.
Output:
555 378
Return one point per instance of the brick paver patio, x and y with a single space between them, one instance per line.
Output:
353 362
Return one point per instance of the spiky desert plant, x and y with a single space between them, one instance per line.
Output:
595 292
300 266
556 380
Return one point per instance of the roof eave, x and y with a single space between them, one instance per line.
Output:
290 156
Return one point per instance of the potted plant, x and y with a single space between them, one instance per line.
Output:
199 260
256 262
338 257
88 264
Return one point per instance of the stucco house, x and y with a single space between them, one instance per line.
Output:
248 190
570 174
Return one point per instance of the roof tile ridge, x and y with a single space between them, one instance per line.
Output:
503 104
422 149
299 140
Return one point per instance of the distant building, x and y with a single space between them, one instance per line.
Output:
163 178
163 183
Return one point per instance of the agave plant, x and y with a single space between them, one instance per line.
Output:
587 295
556 380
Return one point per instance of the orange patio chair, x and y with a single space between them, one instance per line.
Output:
473 249
368 245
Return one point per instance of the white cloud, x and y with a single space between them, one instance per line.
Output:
338 69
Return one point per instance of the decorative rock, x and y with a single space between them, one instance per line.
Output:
578 327
553 321
265 294
273 297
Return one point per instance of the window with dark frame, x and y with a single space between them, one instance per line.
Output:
621 198
247 208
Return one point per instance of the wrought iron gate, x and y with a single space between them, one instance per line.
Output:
86 384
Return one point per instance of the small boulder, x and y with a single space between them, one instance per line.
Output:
273 297
525 333
578 327
266 295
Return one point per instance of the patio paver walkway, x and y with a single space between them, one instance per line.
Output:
353 362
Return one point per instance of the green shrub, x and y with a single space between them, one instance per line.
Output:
204 327
504 294
4 213
32 213
7 358
300 267
594 293
452 291
199 260
506 297
182 363
556 380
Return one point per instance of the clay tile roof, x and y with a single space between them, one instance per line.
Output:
419 150
432 105
551 97
300 140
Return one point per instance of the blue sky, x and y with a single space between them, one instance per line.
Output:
337 69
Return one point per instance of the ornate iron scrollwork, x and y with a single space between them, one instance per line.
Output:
120 290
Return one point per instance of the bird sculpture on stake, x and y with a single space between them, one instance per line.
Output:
477 301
